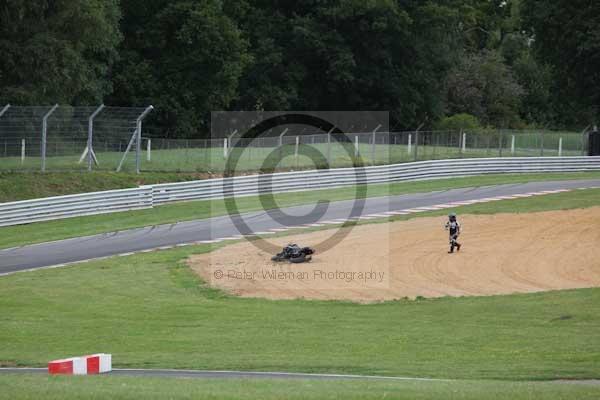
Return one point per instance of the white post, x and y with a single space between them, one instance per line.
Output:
356 146
22 151
409 143
512 145
297 144
225 148
149 150
464 142
560 147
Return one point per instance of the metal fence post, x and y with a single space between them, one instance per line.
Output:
329 146
149 150
281 143
464 142
512 145
500 143
560 147
373 144
4 109
356 151
45 135
138 144
416 145
542 143
22 151
225 147
90 140
409 150
583 137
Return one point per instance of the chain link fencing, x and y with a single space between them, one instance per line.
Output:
210 155
56 138
59 138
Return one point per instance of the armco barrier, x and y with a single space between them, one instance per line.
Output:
22 212
325 179
75 205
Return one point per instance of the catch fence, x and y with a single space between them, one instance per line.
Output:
61 138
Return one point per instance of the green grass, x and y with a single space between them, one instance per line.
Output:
151 311
36 387
73 227
23 186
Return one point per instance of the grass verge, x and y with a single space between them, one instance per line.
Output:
23 186
74 227
113 387
151 311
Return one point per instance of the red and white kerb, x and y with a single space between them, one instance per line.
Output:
85 365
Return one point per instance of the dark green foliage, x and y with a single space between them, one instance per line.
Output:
567 37
57 51
508 62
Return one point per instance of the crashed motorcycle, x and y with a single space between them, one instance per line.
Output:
294 254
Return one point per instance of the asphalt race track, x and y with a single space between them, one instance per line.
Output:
260 223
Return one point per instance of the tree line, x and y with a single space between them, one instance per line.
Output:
436 63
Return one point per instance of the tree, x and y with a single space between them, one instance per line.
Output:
57 51
566 35
458 122
184 56
482 85
348 55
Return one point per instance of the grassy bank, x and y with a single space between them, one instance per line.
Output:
113 387
23 186
73 227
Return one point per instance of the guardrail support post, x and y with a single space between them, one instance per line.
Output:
560 147
90 148
22 151
45 135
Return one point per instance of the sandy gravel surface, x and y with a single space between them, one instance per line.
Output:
501 254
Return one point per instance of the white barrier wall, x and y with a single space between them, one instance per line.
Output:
51 208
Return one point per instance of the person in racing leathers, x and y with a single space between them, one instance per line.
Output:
454 229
